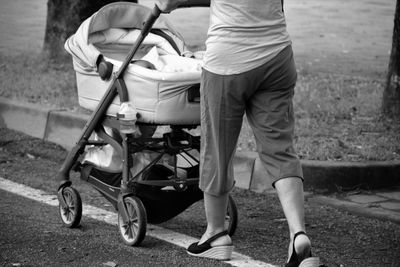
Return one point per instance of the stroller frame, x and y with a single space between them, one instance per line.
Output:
175 142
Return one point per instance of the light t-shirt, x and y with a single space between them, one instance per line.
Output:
244 34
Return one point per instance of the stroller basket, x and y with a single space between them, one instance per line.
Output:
161 205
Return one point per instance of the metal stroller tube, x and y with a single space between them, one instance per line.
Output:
155 13
117 86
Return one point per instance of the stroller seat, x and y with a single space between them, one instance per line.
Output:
164 90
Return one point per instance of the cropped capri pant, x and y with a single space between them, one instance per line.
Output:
265 95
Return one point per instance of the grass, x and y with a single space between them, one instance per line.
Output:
338 117
28 77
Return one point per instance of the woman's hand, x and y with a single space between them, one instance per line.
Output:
167 6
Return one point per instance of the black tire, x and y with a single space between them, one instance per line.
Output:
133 231
231 219
72 214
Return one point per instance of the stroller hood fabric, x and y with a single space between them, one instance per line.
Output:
159 90
119 15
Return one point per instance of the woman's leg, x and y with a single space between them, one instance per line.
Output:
222 110
291 196
215 208
270 113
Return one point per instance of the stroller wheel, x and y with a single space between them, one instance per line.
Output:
231 218
133 231
72 214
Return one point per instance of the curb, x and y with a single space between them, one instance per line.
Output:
64 128
356 208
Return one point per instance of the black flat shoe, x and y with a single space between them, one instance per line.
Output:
205 249
303 259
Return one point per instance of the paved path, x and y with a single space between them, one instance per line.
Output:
108 217
339 237
380 203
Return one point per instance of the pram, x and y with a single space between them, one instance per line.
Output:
131 74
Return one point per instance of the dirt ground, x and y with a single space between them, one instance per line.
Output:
339 238
337 36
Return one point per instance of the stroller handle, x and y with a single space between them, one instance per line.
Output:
156 12
195 3
187 3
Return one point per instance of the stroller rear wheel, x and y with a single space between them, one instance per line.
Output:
231 218
133 231
72 214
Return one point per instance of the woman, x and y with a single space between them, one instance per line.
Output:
248 69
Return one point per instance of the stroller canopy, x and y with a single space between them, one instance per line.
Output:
159 80
113 30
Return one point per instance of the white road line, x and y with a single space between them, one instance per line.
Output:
169 236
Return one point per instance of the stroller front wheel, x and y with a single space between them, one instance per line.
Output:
133 231
71 214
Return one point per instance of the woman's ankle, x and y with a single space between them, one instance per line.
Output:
299 247
223 240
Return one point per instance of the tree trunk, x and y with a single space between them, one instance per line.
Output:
391 94
63 19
